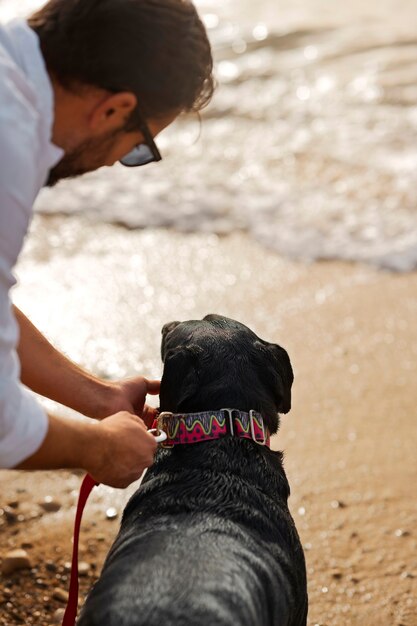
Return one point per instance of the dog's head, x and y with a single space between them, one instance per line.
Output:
216 362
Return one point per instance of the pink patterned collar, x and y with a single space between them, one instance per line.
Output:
196 427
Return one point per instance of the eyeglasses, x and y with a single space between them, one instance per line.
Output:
143 153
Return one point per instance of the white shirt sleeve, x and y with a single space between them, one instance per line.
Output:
23 423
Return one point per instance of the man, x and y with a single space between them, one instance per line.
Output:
84 83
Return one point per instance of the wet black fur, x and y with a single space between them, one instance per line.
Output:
208 539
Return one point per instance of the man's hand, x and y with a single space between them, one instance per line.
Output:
130 395
114 451
124 449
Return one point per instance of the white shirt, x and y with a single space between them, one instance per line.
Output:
26 156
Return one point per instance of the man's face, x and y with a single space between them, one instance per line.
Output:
97 151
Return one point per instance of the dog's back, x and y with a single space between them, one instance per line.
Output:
208 538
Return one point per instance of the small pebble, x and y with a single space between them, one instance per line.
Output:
111 513
10 515
50 566
337 504
60 594
58 616
83 568
50 505
15 560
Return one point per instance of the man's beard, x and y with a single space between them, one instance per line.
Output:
88 156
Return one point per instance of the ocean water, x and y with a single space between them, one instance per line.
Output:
309 144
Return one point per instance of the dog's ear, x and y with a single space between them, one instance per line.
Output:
286 373
180 378
166 329
279 374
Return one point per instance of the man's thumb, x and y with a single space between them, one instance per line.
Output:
153 386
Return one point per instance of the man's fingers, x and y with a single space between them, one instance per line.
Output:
140 420
153 386
154 446
122 436
149 414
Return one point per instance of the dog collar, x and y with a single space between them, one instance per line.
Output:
186 428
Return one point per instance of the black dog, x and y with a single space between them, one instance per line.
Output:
208 539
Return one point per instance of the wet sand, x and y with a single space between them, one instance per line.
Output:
102 293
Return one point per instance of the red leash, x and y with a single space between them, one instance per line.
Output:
70 615
86 488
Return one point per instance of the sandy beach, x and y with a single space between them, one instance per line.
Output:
102 293
307 153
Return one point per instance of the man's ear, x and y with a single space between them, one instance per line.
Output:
112 111
180 378
278 374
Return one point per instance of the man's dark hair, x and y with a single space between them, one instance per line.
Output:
156 49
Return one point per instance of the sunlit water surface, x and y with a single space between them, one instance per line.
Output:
309 143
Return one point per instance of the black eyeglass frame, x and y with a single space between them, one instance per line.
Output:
149 142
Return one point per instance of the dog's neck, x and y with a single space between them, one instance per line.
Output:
191 428
216 402
227 459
